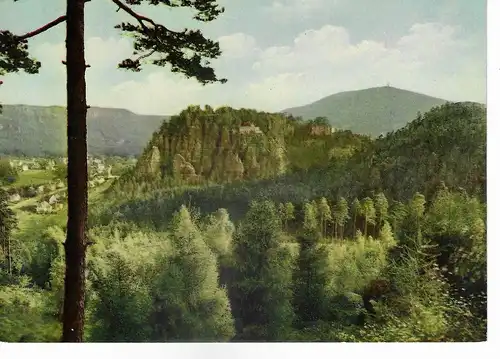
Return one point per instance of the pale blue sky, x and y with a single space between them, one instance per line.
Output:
277 54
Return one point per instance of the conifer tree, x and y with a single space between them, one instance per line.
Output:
342 214
263 286
286 212
188 302
219 232
416 209
311 279
411 227
398 214
381 208
281 213
185 51
310 216
8 222
355 209
289 213
386 235
369 213
123 306
325 215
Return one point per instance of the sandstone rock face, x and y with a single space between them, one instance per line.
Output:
151 162
182 170
207 145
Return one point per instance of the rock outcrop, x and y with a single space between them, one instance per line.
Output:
209 145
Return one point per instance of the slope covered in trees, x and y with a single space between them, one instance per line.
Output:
445 145
38 131
371 111
320 253
283 272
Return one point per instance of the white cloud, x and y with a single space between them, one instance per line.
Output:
159 93
237 45
431 58
274 91
49 86
101 53
427 42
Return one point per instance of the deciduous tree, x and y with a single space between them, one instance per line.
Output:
8 174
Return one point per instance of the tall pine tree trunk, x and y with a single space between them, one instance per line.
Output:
75 245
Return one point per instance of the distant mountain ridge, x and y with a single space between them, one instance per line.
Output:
41 130
371 111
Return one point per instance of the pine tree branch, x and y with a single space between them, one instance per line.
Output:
146 55
140 18
44 28
183 50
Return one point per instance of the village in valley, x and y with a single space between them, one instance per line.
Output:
38 185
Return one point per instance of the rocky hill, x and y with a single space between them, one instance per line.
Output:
217 145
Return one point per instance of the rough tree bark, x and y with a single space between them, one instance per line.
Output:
75 245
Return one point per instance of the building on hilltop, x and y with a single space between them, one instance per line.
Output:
321 130
248 128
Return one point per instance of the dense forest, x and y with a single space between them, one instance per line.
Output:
238 225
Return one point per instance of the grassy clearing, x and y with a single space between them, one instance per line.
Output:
33 177
33 222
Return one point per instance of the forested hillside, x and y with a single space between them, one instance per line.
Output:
380 240
445 145
39 131
372 111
